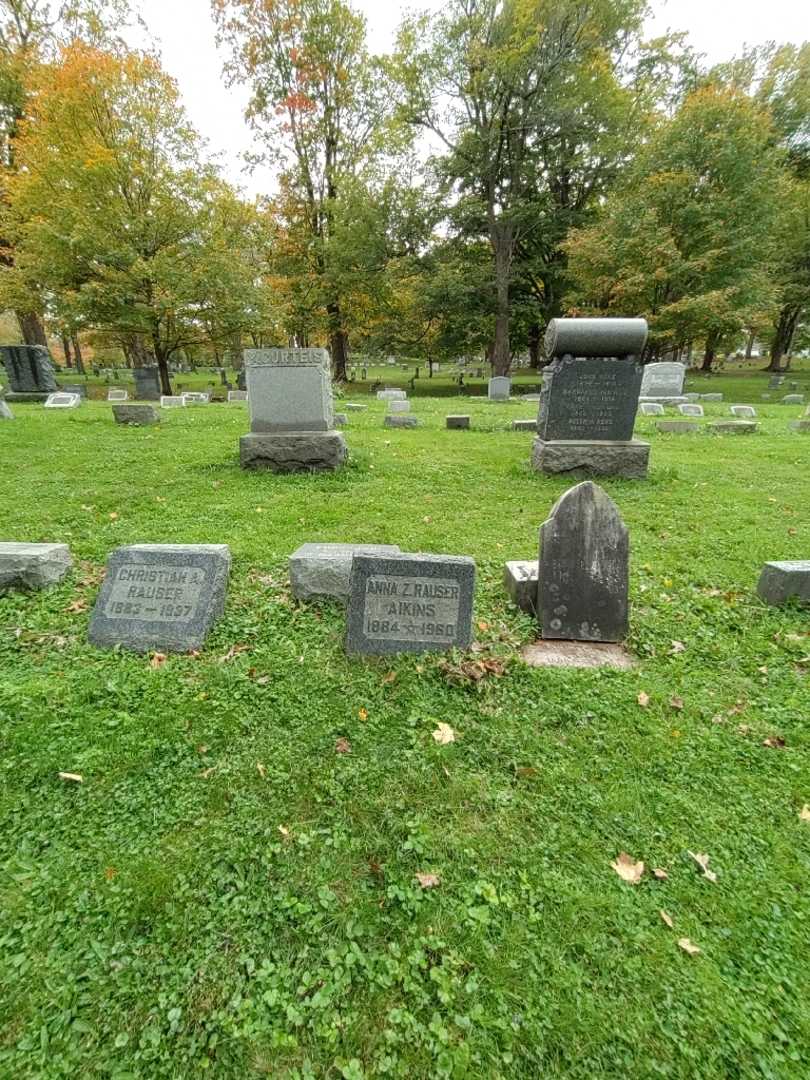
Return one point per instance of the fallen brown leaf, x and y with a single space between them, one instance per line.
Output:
775 742
688 947
343 746
428 881
804 813
77 606
75 777
677 647
659 874
232 652
703 863
110 872
444 734
643 699
261 769
389 678
667 919
627 869
157 660
473 670
676 702
525 772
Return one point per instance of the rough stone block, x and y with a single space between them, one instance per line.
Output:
458 422
32 566
306 451
733 427
161 596
677 427
136 415
400 421
520 579
628 459
782 581
325 569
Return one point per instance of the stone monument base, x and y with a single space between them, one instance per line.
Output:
299 451
682 399
603 458
21 398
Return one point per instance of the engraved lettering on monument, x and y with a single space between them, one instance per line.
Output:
169 595
589 398
411 608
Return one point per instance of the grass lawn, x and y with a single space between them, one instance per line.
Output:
226 891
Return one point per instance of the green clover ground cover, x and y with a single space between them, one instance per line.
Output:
233 886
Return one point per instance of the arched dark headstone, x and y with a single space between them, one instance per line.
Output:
583 574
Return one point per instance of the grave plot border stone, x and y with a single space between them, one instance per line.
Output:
32 566
145 587
785 580
429 588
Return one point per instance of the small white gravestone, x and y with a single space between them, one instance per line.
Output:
663 379
117 395
651 408
499 388
237 395
399 406
392 395
747 412
691 408
5 411
172 401
63 401
194 398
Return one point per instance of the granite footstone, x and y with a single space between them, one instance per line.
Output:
136 415
114 394
743 411
318 570
691 409
584 568
172 401
793 399
32 566
780 582
400 421
161 596
458 422
399 406
677 427
651 408
61 400
410 603
733 427
524 425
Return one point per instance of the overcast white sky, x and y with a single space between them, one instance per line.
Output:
185 32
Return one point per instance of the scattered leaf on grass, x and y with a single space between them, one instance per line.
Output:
473 670
659 874
804 813
157 660
232 652
688 947
343 746
284 830
703 863
444 734
428 881
667 919
483 626
375 868
113 516
643 699
261 769
627 869
77 606
775 742
676 702
75 777
110 872
389 678
525 772
202 749
677 647
207 772
363 714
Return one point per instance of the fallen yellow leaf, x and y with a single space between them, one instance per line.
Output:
659 874
688 947
703 863
428 881
71 776
627 869
444 734
261 769
667 918
804 813
643 699
363 714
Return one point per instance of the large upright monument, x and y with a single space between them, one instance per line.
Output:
30 372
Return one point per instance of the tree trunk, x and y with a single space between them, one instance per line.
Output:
77 352
31 328
338 342
501 239
534 346
163 367
66 351
749 345
783 337
709 353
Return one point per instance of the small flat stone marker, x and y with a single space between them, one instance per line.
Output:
399 406
458 422
136 415
577 654
117 395
520 578
733 427
353 406
237 395
325 569
676 427
60 400
195 398
690 409
161 596
32 566
743 411
711 397
651 408
783 581
793 399
392 395
584 557
524 425
400 421
410 603
172 401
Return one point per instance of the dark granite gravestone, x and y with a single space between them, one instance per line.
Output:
410 603
147 383
584 567
589 398
783 581
161 596
30 372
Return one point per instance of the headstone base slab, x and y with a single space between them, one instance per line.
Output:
677 427
628 459
577 654
318 570
25 398
520 579
524 425
733 427
303 451
33 566
680 400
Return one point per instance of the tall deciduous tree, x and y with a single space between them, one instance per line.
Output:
116 220
319 103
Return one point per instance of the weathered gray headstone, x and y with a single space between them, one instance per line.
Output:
589 398
690 409
30 372
400 421
136 415
161 596
524 425
32 566
410 603
392 395
147 383
61 400
325 569
521 579
5 411
783 581
292 425
399 406
651 408
172 401
775 382
584 567
499 388
663 380
793 399
458 422
195 397
743 411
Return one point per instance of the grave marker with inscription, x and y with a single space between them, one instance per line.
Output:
161 596
410 603
117 395
663 382
147 383
61 400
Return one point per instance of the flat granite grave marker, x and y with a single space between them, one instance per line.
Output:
399 406
691 409
392 395
136 415
61 400
458 422
325 569
677 427
651 408
584 568
743 411
194 397
292 424
524 425
30 372
172 401
32 566
161 596
117 395
5 411
588 403
793 399
400 421
410 603
733 427
783 581
237 395
711 397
